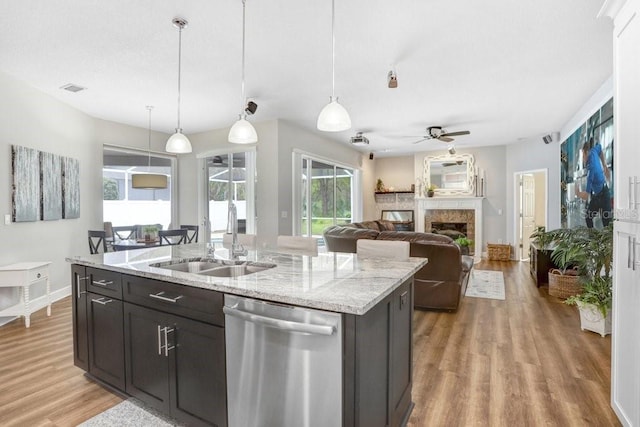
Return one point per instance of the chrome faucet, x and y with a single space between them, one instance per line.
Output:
232 227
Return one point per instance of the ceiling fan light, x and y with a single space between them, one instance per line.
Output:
149 181
242 132
333 117
178 143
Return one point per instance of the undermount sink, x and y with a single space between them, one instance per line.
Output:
214 267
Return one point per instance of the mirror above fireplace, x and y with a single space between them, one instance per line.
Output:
452 174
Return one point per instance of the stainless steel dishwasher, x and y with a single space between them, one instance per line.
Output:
284 365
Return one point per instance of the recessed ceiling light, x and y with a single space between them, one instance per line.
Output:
72 88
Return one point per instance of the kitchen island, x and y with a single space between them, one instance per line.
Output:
161 335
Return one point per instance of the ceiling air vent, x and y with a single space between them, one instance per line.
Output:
72 88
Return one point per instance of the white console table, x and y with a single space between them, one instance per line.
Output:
22 275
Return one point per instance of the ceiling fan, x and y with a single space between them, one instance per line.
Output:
437 132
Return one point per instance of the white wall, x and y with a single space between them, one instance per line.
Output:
397 173
31 119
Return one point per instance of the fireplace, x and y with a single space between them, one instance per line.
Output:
467 210
460 227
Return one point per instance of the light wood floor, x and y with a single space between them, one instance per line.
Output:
519 362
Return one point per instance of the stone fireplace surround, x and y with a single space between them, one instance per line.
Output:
452 209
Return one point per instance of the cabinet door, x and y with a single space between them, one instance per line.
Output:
147 366
626 95
625 372
80 321
197 371
401 352
106 341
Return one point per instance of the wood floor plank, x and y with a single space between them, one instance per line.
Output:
523 361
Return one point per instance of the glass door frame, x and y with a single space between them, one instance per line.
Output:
250 187
297 186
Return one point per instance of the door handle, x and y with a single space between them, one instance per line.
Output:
159 341
78 279
160 296
102 301
287 325
167 330
102 282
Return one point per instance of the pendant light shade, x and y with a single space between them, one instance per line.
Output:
149 181
333 117
242 132
178 142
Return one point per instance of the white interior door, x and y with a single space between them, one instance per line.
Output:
528 213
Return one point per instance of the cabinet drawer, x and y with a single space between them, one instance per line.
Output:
187 301
103 282
39 273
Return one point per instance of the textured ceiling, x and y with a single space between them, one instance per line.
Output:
505 70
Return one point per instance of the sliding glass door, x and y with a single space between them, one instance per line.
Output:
230 179
326 195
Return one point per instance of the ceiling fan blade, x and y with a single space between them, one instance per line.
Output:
462 132
445 139
420 140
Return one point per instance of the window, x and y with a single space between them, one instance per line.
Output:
326 195
124 205
230 178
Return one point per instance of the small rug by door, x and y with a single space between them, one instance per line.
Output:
130 413
486 284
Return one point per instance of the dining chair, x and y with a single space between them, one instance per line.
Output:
298 244
387 249
192 234
246 240
109 238
124 232
172 237
97 240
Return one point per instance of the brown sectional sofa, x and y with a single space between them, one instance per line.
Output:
438 285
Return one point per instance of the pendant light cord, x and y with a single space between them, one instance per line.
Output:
149 108
178 129
333 49
242 114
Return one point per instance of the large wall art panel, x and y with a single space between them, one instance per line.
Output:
70 188
25 167
51 186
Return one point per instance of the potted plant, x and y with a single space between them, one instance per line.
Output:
150 233
431 190
464 244
542 238
589 251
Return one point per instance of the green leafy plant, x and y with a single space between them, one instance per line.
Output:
542 237
596 291
463 241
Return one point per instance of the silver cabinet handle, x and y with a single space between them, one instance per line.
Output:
78 279
167 330
102 282
102 301
160 296
159 341
287 325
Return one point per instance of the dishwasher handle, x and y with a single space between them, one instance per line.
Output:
287 325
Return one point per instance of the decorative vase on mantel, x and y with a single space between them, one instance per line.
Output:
430 193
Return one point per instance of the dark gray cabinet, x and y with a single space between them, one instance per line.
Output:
80 321
378 362
540 263
176 365
106 339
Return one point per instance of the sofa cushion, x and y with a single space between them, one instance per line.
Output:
414 236
467 263
384 225
344 238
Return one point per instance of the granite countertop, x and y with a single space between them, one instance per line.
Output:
331 281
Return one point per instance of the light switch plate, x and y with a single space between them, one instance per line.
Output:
7 219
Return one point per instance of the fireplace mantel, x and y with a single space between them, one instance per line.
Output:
446 203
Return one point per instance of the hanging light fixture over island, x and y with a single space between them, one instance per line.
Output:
178 142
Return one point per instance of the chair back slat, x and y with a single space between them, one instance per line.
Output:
97 240
172 237
192 233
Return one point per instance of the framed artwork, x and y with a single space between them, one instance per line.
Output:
597 129
50 186
70 188
25 195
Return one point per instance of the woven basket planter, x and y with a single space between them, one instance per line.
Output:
564 285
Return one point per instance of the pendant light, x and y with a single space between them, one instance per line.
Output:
149 181
333 117
178 142
243 132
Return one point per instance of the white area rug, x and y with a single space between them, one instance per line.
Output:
130 413
486 284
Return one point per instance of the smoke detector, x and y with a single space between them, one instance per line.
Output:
359 139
